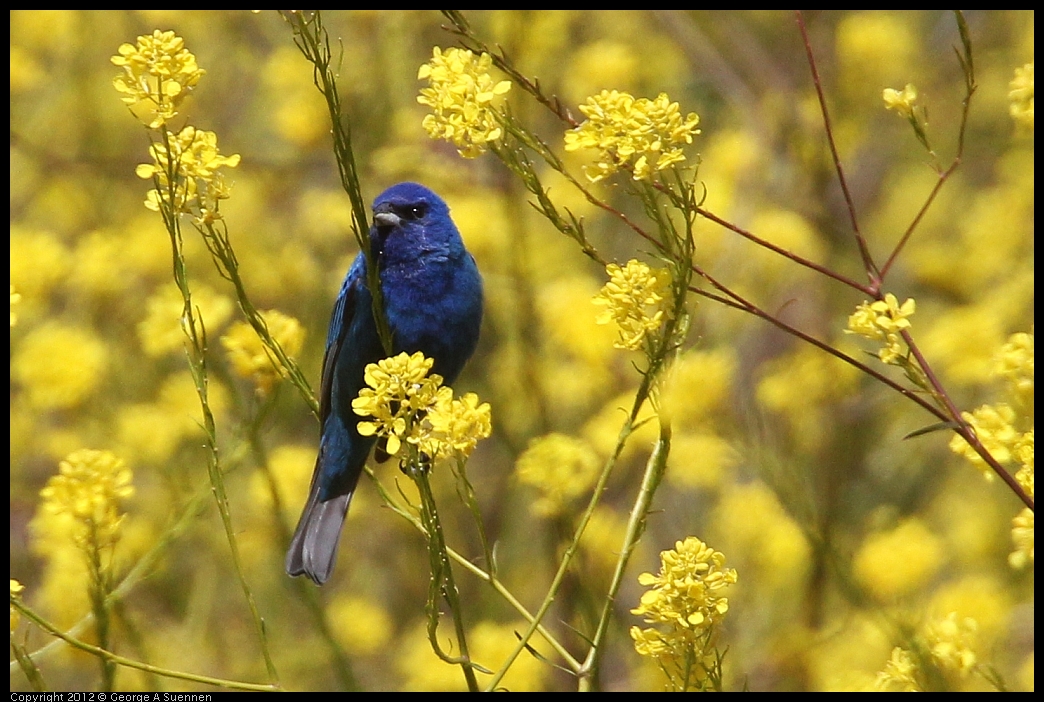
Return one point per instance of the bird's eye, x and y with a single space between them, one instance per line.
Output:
417 211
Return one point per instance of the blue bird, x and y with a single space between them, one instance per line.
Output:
433 300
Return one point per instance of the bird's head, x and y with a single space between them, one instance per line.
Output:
410 220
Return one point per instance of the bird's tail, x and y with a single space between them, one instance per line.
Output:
313 550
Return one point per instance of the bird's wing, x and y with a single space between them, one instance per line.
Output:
340 322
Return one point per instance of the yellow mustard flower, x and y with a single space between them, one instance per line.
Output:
644 135
40 263
408 404
1021 96
15 299
158 74
950 641
399 387
462 96
560 467
892 564
196 159
361 624
457 425
1014 363
250 358
160 332
16 593
1023 454
883 320
687 601
89 487
902 101
994 425
1022 537
634 299
60 366
900 674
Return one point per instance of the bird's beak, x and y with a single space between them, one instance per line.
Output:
386 219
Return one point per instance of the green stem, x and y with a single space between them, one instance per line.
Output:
129 663
311 38
654 470
441 575
491 578
574 545
195 331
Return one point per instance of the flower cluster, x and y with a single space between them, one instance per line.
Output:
901 101
158 74
16 593
1022 536
15 299
883 320
457 425
994 426
642 134
1014 363
196 158
561 468
999 428
1021 96
462 96
686 597
89 486
634 298
950 641
407 404
901 673
249 356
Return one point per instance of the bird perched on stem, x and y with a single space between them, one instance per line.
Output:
433 302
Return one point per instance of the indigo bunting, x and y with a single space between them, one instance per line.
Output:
433 301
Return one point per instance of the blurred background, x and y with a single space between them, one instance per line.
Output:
793 464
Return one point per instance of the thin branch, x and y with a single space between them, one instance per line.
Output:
865 289
864 250
968 65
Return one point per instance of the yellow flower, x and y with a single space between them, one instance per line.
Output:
250 358
1023 454
158 74
892 564
16 590
995 429
643 134
161 333
196 158
89 486
900 674
901 101
59 366
560 467
950 642
1022 537
634 298
1021 95
15 299
360 624
399 388
462 96
1014 363
409 405
687 600
457 425
883 320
